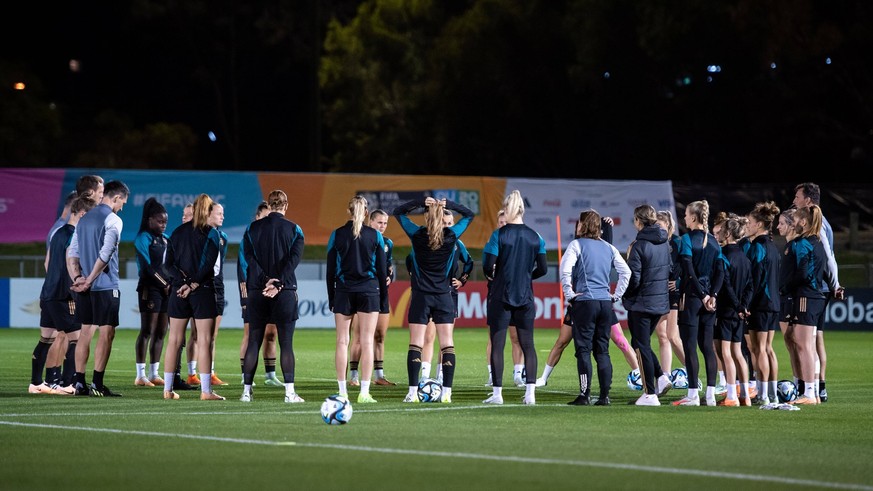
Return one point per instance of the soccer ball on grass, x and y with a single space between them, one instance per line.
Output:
634 380
786 391
336 410
429 390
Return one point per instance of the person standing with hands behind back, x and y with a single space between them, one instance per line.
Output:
357 279
273 248
191 255
513 257
93 252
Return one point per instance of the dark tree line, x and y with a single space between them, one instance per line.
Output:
739 90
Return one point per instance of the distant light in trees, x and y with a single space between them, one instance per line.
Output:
211 136
713 68
709 78
74 66
772 65
19 86
606 75
828 60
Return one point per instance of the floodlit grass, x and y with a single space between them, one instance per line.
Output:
140 441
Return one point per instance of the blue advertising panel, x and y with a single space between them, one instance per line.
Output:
238 192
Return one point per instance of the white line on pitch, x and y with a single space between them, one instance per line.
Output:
466 455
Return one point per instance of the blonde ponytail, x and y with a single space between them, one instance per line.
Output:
358 212
433 219
513 205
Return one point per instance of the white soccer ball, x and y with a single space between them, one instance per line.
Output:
679 377
336 410
429 390
634 380
786 391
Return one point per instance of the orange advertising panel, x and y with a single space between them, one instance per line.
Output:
319 202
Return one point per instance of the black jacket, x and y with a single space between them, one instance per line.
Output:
650 264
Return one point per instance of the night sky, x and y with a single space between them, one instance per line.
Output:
142 63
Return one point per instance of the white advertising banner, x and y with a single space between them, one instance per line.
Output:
312 303
547 199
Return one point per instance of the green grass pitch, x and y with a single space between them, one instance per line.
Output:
140 441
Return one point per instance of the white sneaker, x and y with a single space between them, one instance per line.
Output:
664 385
410 398
711 402
493 400
648 400
519 382
293 398
720 390
246 397
541 382
688 401
529 400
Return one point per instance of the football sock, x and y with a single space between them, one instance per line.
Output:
772 389
289 388
498 391
744 389
762 391
809 390
365 386
269 367
38 361
710 392
721 380
97 378
529 389
731 391
53 375
247 389
516 371
153 369
140 370
447 392
192 368
821 385
342 387
413 364
425 369
70 363
378 369
353 374
692 393
547 371
206 382
168 381
448 365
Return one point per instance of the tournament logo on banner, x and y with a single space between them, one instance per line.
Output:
388 200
